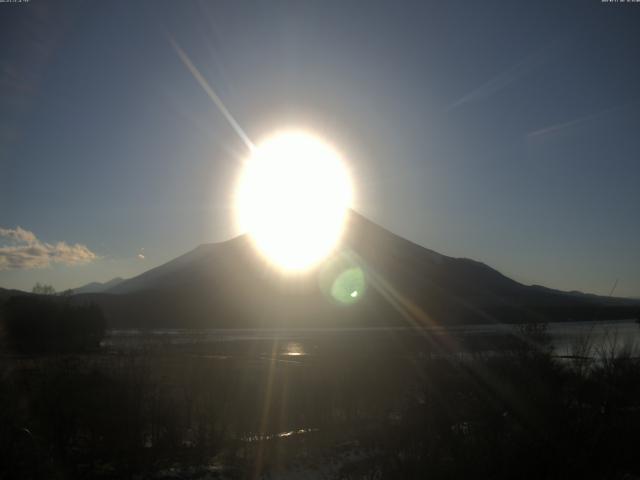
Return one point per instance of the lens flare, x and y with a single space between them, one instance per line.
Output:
292 199
348 286
342 279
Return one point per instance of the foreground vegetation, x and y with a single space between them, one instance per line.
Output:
44 323
386 406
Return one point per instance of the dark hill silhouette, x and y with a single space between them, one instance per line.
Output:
5 293
228 285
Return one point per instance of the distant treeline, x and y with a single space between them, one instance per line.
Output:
39 323
563 313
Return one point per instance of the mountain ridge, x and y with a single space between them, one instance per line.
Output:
227 284
98 287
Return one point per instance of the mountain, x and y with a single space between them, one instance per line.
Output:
228 285
98 287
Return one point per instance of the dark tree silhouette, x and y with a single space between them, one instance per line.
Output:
43 289
40 324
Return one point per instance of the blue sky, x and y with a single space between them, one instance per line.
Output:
506 132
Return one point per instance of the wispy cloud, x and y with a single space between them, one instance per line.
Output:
501 81
555 129
21 249
514 73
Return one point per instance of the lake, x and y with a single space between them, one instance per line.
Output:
568 338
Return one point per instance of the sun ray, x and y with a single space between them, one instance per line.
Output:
211 93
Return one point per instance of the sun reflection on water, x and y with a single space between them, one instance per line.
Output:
294 349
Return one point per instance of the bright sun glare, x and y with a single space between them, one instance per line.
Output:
292 199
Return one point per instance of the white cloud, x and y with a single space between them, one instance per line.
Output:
18 234
23 250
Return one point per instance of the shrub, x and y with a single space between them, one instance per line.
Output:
48 324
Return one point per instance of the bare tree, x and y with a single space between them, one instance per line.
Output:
43 289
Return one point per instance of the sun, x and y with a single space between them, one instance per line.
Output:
292 199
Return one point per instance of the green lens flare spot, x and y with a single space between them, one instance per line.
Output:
342 279
348 286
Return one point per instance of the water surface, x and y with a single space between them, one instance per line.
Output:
586 338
